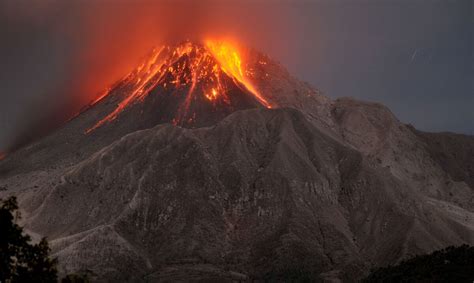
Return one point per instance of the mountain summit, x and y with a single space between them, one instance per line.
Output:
189 84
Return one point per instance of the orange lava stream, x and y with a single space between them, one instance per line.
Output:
140 77
102 96
231 63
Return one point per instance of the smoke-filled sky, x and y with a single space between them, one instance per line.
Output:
415 56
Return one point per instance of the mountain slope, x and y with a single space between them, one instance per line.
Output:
453 152
373 130
263 193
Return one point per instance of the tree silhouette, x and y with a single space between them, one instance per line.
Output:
21 260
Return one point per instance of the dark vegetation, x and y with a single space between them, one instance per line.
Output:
21 260
453 264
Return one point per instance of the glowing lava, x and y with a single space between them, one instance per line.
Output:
185 66
140 80
231 63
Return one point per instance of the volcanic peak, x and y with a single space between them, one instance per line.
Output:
206 71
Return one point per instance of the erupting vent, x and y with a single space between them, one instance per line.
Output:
206 72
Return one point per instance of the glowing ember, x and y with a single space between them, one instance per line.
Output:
213 95
3 155
188 66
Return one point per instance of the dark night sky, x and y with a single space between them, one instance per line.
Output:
415 56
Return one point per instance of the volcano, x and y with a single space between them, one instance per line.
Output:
210 162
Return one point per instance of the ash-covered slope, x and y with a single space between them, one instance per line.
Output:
136 188
453 152
263 194
373 130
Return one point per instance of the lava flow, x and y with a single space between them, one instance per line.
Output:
200 69
231 63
